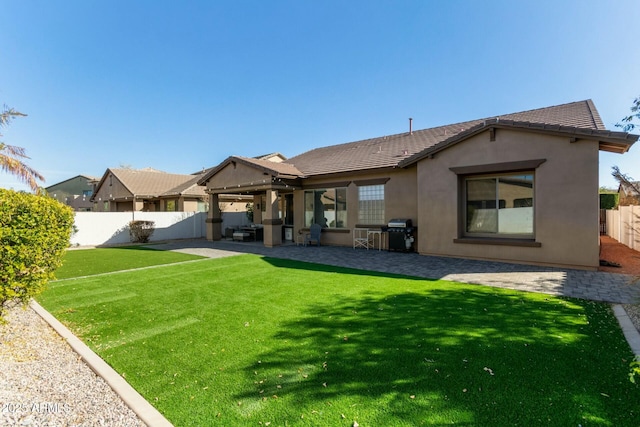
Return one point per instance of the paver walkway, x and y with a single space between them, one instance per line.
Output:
591 285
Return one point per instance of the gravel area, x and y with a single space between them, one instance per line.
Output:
633 311
43 382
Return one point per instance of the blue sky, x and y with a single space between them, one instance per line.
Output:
180 86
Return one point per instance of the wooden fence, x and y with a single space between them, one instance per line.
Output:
623 224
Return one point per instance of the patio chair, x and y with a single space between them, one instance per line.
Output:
361 238
314 235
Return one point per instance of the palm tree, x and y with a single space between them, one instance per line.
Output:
11 157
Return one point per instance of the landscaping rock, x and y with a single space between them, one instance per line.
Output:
43 382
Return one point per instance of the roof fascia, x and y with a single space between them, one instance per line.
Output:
214 170
124 184
252 188
234 160
104 178
99 186
618 142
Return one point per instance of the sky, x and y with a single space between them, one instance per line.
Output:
181 86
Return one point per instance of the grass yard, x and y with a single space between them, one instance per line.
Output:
246 340
87 262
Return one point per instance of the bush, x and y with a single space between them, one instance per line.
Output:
34 234
141 231
608 200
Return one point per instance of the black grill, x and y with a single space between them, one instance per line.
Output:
400 233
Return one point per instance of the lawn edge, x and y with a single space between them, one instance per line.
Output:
628 329
134 400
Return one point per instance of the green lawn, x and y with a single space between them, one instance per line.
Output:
87 262
247 340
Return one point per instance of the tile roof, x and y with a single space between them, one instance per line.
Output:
188 188
153 183
630 188
87 177
580 118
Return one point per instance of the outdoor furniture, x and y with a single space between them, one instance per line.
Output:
300 238
360 238
372 235
228 233
241 236
314 235
255 233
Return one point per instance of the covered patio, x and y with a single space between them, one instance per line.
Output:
271 185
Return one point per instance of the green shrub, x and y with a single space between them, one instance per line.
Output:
608 200
141 231
34 233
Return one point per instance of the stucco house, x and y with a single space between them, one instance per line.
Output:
75 192
520 187
151 190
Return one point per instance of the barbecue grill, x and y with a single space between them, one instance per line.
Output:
400 235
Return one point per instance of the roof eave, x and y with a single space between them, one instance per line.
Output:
616 142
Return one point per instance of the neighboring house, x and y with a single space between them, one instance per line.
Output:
629 194
151 190
272 157
519 187
75 192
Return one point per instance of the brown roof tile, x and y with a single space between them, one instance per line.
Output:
390 151
149 182
188 188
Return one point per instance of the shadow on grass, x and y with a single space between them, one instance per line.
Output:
463 356
325 268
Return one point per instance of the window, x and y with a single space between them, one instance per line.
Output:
203 206
371 204
327 207
499 205
171 206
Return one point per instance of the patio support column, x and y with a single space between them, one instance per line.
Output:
272 223
214 219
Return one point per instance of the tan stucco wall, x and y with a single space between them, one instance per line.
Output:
400 201
565 193
108 192
241 174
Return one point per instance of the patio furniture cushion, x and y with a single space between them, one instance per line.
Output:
241 236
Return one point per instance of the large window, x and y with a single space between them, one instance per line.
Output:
327 207
371 204
499 205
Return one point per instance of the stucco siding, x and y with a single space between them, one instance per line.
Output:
400 201
565 198
238 173
112 189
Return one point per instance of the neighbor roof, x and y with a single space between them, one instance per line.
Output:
87 177
152 183
577 119
630 188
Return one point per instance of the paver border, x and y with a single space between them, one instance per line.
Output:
134 400
628 329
